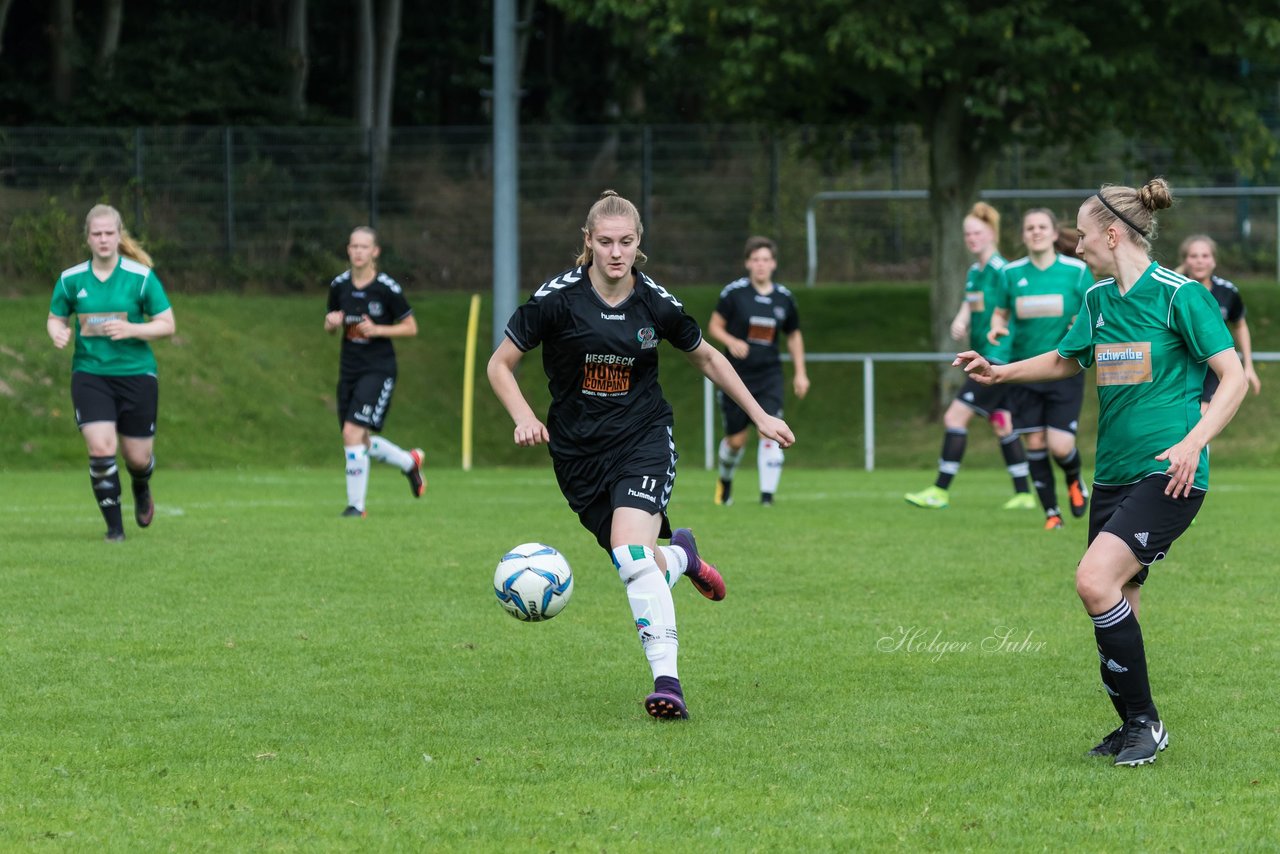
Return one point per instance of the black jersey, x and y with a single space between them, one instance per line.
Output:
384 302
601 361
756 319
1228 297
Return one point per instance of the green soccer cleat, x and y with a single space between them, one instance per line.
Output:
933 498
1020 501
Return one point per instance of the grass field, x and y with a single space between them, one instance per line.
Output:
253 673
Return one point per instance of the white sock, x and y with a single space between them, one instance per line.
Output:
651 606
769 460
389 452
357 475
729 459
677 562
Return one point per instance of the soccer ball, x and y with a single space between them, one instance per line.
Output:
533 582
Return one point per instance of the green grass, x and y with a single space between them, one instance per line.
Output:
249 381
253 673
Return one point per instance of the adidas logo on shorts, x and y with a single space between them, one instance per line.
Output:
1141 537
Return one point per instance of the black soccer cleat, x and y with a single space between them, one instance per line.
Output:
353 513
1110 744
144 509
724 493
114 536
1143 739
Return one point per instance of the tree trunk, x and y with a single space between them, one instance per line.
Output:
4 16
388 44
112 21
63 34
954 166
364 64
296 49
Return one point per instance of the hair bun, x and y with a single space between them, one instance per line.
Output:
1155 195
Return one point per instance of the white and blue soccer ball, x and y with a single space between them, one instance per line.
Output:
533 582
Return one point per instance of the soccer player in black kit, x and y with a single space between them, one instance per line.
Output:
609 429
751 312
370 308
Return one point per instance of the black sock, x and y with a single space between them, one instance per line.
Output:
668 685
1120 647
141 480
953 443
1070 465
1113 694
1015 461
105 478
1042 477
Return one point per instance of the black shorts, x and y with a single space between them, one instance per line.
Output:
638 472
130 402
365 399
1210 386
1053 405
1140 514
767 389
984 399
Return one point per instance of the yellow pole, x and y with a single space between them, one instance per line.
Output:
469 381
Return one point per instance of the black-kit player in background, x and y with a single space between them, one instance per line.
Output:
609 429
120 307
370 308
747 320
1150 333
1198 256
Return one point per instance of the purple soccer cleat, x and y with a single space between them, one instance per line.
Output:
667 700
705 577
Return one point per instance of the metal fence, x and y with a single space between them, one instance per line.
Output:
270 208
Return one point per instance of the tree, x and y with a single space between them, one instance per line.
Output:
4 17
375 73
975 76
62 35
109 43
295 43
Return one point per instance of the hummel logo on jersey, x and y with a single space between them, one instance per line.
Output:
83 293
1141 537
1101 323
604 316
1116 668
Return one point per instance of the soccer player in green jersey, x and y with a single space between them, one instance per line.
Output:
1151 333
981 233
1036 304
120 306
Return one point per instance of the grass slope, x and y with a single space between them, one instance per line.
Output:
253 673
249 381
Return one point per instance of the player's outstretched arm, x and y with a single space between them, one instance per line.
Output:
1042 368
715 367
502 378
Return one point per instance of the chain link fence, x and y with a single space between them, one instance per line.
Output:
269 209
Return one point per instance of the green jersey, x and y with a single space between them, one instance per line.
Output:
981 291
1041 303
132 292
1150 345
